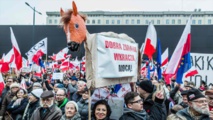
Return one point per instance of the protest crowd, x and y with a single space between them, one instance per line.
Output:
57 88
28 96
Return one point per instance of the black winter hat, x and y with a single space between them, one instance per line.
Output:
194 94
146 85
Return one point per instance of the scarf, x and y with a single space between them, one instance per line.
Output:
64 103
142 115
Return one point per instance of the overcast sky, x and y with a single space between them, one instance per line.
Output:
17 12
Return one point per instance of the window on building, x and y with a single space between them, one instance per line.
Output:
147 22
88 22
50 21
158 21
173 21
132 21
55 21
107 21
193 22
209 21
167 21
138 21
127 21
199 22
99 21
113 22
93 21
179 21
118 22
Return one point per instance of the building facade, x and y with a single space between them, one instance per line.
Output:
139 18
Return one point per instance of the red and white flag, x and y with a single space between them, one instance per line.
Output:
6 61
61 55
37 51
150 41
191 72
66 65
165 57
17 53
2 84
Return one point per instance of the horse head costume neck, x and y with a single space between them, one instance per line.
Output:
74 27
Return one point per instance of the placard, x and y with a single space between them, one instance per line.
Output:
25 69
58 76
116 57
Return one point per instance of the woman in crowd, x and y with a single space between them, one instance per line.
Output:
101 110
83 105
71 111
18 104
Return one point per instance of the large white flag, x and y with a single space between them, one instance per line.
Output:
40 46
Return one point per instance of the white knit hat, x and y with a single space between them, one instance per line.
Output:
14 85
37 84
37 93
74 103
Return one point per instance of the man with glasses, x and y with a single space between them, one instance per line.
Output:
48 110
61 99
134 110
198 107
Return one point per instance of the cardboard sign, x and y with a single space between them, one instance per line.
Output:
116 57
111 59
58 76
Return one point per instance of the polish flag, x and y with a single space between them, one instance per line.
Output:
191 72
17 53
66 65
180 61
6 61
61 55
150 41
2 84
37 56
165 57
143 70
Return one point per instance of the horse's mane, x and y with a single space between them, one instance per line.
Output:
65 18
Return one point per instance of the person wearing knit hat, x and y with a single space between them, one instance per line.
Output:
36 85
34 102
209 95
71 114
198 106
147 91
17 85
184 102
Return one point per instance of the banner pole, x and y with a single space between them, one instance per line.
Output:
89 105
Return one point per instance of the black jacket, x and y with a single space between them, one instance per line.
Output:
156 110
133 115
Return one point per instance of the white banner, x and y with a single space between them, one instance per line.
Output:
58 76
116 57
41 45
204 64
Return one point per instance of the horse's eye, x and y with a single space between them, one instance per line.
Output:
76 25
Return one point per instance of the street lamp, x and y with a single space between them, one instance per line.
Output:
34 10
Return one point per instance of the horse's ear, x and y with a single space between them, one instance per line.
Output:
61 12
74 7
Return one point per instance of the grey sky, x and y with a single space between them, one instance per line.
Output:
17 12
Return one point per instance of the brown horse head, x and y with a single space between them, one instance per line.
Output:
74 27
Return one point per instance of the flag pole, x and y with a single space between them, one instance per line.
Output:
89 105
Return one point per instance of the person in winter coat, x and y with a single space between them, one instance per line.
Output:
72 86
71 111
14 87
78 94
134 110
61 99
18 104
101 110
83 106
48 110
153 100
198 107
34 102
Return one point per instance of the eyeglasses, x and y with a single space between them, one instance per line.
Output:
59 95
201 101
138 101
